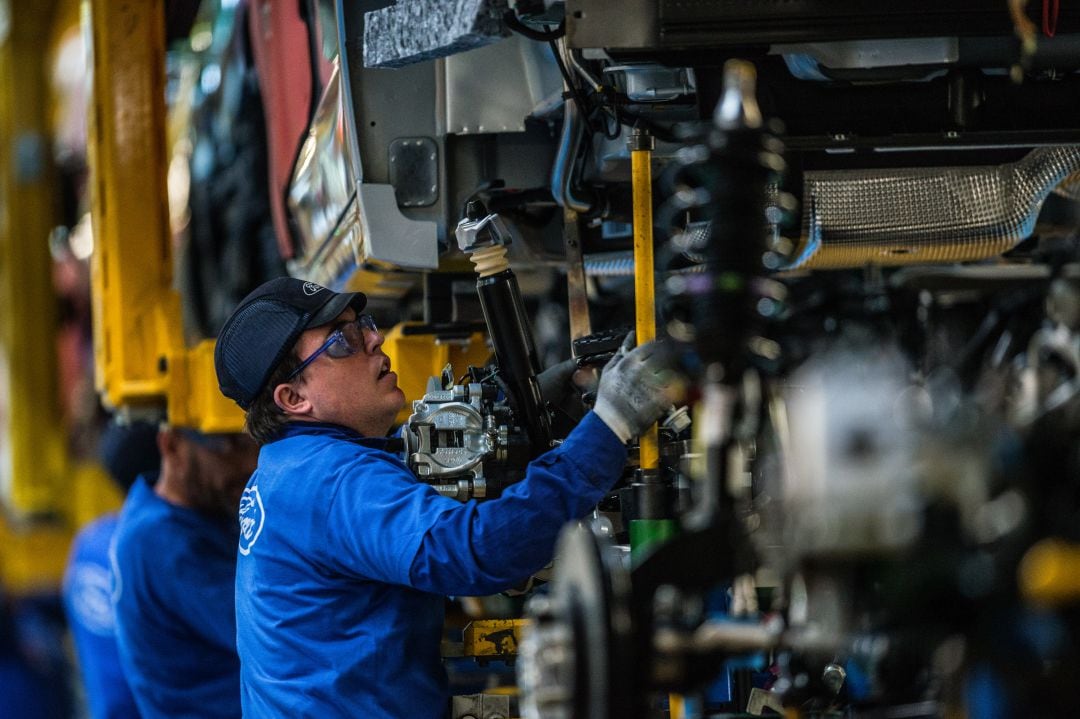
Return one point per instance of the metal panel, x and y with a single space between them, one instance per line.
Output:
414 171
480 706
494 88
388 234
605 24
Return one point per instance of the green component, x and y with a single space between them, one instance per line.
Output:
644 533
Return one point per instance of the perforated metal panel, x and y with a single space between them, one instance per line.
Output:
915 216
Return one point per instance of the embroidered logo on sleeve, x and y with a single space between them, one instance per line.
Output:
91 600
116 585
252 518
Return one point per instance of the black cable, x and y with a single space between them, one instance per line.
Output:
565 72
510 19
576 97
612 131
574 91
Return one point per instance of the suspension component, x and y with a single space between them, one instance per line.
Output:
484 237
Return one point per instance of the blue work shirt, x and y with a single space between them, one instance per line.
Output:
345 558
175 622
87 595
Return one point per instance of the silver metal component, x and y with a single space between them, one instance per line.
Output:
488 231
388 236
738 106
480 706
851 484
445 438
902 216
762 699
715 417
655 83
464 489
371 229
621 264
322 182
719 636
833 677
1050 377
889 52
577 293
678 421
448 438
340 220
626 24
575 658
1063 303
521 70
610 264
547 663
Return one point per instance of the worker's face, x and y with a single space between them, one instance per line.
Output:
217 468
358 391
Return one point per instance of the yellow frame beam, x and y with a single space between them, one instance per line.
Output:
33 446
142 363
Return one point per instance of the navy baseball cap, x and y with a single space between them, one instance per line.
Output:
128 449
264 327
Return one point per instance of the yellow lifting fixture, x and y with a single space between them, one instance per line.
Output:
143 364
641 147
33 450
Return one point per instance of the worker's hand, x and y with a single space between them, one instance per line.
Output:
635 388
555 382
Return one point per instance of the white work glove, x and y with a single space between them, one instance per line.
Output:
635 389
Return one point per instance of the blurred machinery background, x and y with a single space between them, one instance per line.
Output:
855 223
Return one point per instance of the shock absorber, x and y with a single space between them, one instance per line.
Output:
484 237
733 168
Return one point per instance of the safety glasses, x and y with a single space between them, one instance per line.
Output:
345 341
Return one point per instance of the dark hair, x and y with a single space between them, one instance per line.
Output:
128 449
264 418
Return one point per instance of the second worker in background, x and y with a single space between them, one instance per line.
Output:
174 564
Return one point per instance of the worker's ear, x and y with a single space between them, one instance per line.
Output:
170 444
291 401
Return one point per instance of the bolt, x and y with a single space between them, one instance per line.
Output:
833 677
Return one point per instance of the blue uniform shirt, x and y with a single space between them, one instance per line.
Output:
345 559
87 595
176 628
